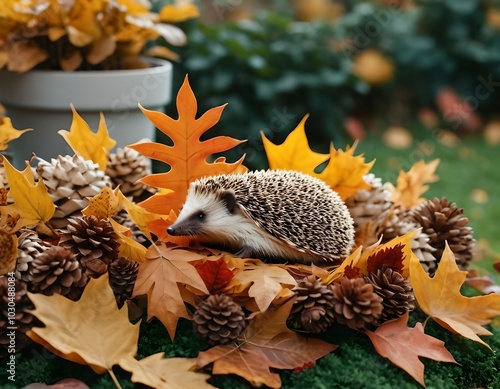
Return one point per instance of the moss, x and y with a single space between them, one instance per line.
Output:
354 364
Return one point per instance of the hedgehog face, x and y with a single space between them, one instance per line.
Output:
206 215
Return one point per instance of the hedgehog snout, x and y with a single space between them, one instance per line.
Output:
171 231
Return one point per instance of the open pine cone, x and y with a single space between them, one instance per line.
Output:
356 304
395 290
312 309
444 222
125 167
23 319
122 276
93 241
69 181
219 319
29 246
57 270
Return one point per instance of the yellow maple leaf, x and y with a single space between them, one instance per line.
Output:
351 262
440 298
84 142
294 153
411 185
345 172
90 331
31 201
159 372
8 132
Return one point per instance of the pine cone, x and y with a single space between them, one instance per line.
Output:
29 246
93 241
56 270
69 181
219 319
125 167
369 204
395 290
122 276
313 309
443 222
356 304
22 319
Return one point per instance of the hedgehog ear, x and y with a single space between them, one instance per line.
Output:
229 198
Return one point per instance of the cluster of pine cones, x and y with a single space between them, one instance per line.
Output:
358 303
85 246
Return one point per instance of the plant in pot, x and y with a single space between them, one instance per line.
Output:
95 54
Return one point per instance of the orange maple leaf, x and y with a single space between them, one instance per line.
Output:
411 185
403 345
187 157
158 277
440 298
266 343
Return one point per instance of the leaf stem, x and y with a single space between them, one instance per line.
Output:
425 321
115 380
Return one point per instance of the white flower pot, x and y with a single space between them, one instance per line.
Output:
41 100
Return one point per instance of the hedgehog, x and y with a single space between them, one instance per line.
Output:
275 215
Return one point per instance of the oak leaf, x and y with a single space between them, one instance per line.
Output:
158 277
266 344
90 331
8 132
440 298
166 373
403 346
411 185
266 281
31 201
8 251
187 157
93 146
294 153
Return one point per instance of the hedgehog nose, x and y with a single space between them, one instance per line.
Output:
171 230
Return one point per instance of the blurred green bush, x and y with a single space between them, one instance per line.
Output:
379 62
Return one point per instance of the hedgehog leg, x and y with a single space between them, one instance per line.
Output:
245 252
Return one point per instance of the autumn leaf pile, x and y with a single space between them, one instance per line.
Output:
107 248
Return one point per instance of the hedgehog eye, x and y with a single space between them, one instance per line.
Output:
200 216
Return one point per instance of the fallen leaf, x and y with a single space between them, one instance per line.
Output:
403 346
266 344
8 132
84 142
68 383
187 157
166 373
158 277
265 280
31 202
90 331
104 204
8 251
215 274
479 196
294 153
128 248
345 172
411 185
440 298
